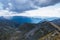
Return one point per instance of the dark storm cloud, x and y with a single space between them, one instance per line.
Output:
44 3
23 5
17 5
20 6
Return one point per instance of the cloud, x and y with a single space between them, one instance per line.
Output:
24 5
50 11
18 5
44 3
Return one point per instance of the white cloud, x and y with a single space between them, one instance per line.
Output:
51 11
47 12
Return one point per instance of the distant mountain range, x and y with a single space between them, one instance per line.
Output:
23 19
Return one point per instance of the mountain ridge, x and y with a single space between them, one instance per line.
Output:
26 31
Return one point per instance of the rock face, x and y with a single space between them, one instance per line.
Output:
7 29
10 30
57 21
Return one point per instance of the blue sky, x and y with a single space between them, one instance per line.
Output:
30 8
